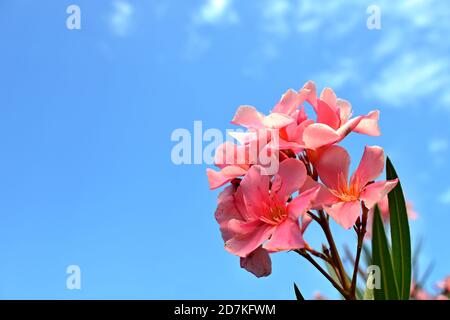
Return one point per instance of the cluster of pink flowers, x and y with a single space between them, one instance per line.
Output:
263 211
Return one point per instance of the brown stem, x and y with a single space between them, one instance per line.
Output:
348 256
361 231
334 252
319 255
304 254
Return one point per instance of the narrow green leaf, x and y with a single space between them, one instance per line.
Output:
381 257
368 294
298 294
400 237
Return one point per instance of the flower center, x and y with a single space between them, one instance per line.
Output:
275 215
347 192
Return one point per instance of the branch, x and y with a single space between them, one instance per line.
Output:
305 255
334 252
361 231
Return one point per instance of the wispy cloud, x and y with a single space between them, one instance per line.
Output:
121 18
410 77
334 16
275 16
212 13
216 12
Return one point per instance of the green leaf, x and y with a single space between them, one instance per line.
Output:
368 294
298 294
400 237
381 257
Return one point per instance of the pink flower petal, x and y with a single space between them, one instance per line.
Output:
289 102
348 127
229 153
243 244
329 97
258 262
375 192
217 179
318 134
369 124
248 116
332 166
310 93
286 236
324 196
345 213
227 210
370 166
255 188
240 227
345 110
302 203
243 137
277 120
292 175
326 114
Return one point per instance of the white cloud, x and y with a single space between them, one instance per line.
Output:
216 12
410 77
210 13
438 145
445 197
275 16
121 18
420 69
411 60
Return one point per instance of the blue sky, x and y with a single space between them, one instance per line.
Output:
86 117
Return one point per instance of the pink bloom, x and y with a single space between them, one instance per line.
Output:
258 216
250 118
341 199
285 117
334 120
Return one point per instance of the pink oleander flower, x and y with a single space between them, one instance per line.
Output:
260 216
291 128
285 118
342 197
334 120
